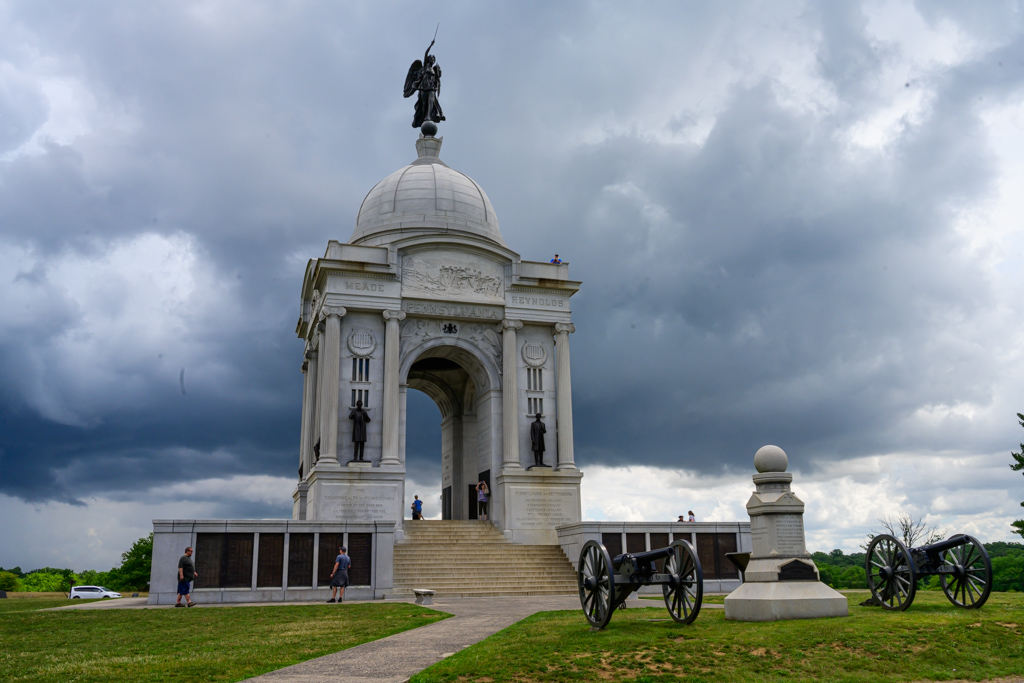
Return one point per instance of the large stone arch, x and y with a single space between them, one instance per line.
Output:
464 383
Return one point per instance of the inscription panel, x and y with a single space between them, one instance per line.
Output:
780 535
540 509
538 301
360 502
442 310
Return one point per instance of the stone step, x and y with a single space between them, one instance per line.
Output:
470 593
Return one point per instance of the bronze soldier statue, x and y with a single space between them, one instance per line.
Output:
359 419
537 432
425 77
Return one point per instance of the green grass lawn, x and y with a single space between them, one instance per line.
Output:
931 641
201 644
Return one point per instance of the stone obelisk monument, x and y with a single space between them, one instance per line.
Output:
780 580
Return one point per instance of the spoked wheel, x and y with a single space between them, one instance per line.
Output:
686 590
890 573
597 584
971 579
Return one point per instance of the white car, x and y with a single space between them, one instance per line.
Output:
92 592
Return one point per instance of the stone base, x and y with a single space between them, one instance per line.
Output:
536 501
777 601
365 464
358 492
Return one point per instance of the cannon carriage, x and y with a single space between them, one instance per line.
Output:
960 562
605 582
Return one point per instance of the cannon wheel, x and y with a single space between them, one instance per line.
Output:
683 596
890 573
971 582
597 584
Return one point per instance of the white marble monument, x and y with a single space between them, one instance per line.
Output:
427 295
780 580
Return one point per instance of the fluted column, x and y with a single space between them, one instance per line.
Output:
309 412
510 394
330 359
391 409
563 401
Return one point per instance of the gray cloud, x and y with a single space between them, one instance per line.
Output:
780 216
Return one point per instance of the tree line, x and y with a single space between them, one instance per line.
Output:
131 575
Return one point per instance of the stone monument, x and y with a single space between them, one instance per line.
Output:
780 580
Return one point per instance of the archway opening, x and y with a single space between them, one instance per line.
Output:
452 378
423 454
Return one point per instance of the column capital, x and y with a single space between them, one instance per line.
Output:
568 328
327 311
509 324
394 315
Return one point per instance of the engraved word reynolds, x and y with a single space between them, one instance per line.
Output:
537 301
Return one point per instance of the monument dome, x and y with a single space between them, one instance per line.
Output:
425 197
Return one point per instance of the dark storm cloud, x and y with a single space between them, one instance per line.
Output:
763 282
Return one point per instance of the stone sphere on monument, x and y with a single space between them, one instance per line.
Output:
429 129
770 459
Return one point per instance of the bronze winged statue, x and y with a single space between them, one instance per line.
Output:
425 77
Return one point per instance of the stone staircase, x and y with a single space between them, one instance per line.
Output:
470 558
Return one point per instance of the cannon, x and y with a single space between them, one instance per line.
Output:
960 562
606 582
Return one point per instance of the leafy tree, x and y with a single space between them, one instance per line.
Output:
14 570
44 582
9 581
1017 466
1008 573
136 564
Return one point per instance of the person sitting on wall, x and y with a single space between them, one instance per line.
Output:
692 518
681 519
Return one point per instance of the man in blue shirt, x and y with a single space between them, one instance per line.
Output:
339 577
417 508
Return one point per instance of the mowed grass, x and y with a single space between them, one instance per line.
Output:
931 641
198 644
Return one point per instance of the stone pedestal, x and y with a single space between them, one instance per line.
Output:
536 501
357 493
780 580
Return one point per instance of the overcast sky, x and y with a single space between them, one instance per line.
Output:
796 223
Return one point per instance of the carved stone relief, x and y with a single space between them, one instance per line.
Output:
534 354
361 342
451 275
483 336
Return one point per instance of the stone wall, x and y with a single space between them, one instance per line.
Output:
228 558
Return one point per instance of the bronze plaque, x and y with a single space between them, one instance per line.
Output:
270 571
360 550
329 544
300 560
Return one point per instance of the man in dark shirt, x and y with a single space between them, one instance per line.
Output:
339 577
186 573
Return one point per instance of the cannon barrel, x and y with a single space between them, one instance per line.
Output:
643 558
939 546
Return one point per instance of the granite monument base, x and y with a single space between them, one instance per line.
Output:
780 600
537 501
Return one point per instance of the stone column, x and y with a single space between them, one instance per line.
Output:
566 459
309 386
391 410
510 395
330 349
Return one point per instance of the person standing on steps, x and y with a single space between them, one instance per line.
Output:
417 508
186 574
339 577
483 495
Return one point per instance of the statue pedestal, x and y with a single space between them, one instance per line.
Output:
355 494
536 501
780 581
